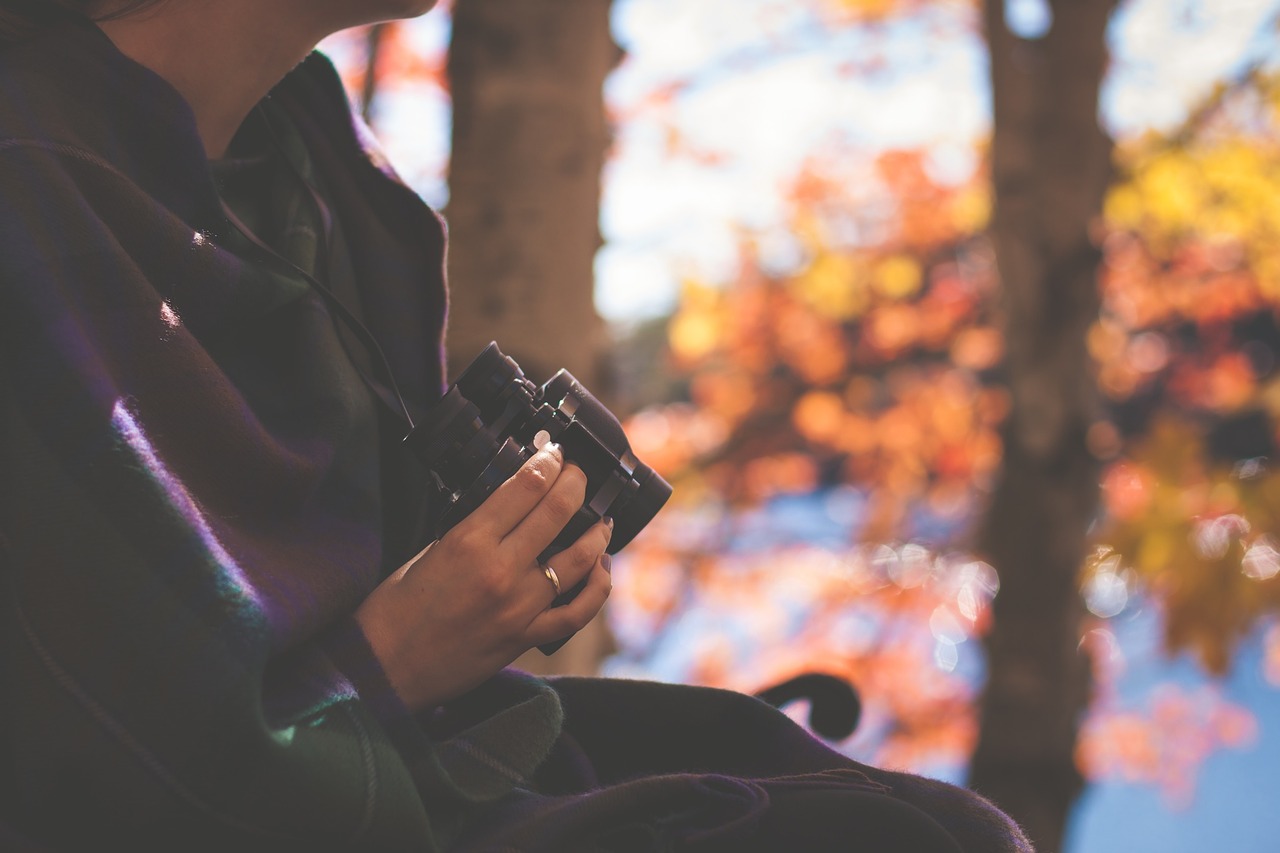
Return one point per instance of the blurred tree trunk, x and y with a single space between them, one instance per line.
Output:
529 141
1050 168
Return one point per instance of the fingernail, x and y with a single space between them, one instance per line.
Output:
542 441
607 562
608 521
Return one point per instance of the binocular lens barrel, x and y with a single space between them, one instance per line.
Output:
493 404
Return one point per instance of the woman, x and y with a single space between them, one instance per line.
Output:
220 629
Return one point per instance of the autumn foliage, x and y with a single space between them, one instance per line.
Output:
833 429
863 372
869 365
862 364
1186 350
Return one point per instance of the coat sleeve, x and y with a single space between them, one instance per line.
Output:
168 561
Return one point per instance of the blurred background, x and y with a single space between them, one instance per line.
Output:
953 323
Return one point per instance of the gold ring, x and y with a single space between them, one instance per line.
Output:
552 576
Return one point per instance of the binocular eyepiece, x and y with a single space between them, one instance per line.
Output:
482 430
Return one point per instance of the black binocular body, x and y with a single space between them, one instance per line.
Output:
482 431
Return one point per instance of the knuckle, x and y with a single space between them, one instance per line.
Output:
534 477
560 504
462 541
585 553
491 582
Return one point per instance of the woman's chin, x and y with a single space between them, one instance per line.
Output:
356 13
407 8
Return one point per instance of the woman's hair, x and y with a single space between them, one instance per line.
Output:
23 19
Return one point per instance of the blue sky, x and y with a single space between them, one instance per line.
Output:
1234 804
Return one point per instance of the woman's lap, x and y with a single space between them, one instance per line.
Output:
646 766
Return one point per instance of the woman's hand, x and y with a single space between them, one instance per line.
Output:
475 600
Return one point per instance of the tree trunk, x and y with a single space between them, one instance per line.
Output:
529 141
1050 167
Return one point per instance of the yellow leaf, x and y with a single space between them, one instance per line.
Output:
833 286
693 335
971 210
1155 552
1124 207
1173 189
869 9
897 277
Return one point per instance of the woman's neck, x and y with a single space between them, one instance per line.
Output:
223 56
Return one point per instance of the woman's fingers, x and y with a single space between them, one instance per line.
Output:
524 490
575 562
544 521
556 623
463 608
